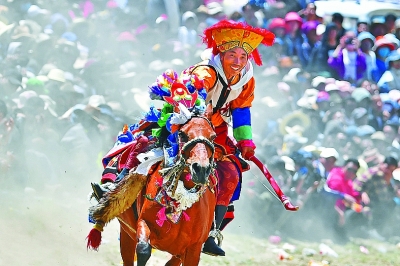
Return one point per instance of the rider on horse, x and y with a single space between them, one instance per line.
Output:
228 80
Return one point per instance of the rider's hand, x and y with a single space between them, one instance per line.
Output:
247 148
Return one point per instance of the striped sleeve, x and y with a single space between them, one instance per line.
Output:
242 123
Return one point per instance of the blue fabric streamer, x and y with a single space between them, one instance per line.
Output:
172 138
125 138
202 93
133 127
157 93
190 87
172 151
168 124
173 141
152 115
91 220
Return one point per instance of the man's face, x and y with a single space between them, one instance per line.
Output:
389 169
366 45
233 61
312 35
377 103
350 171
362 27
292 26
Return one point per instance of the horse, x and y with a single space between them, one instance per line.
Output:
174 209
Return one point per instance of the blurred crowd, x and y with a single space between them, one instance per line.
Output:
325 119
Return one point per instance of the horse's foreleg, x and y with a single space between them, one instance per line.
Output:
143 248
174 261
192 255
127 248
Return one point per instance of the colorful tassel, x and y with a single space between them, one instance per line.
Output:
186 216
188 177
94 237
161 217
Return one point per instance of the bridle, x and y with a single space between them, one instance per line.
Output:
191 143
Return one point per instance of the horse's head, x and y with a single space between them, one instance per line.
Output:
197 136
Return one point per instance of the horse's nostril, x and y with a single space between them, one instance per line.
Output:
200 173
196 168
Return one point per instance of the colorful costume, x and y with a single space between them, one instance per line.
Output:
231 100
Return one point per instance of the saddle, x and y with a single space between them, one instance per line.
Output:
124 157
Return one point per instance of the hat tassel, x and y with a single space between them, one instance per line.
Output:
256 57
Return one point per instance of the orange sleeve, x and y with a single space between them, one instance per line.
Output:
246 97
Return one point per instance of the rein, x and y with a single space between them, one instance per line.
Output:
191 143
173 195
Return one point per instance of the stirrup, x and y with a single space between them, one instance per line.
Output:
216 233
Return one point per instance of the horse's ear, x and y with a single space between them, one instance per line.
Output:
209 111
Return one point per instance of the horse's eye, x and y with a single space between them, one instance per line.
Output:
183 137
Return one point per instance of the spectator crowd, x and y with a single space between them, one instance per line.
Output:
326 116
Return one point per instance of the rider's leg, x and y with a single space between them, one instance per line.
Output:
229 216
228 178
210 247
108 180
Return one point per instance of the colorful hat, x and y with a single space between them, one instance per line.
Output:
309 25
277 23
293 16
382 41
226 35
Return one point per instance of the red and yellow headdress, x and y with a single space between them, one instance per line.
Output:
226 35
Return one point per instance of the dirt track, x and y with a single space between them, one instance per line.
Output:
49 227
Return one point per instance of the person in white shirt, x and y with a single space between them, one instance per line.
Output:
390 79
367 41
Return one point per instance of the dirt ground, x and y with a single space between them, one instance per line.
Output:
49 227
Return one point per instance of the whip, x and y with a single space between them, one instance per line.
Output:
285 200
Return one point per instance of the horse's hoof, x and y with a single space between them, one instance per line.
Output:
211 248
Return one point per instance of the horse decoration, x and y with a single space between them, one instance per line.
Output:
167 200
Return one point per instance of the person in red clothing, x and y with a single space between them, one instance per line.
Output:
340 185
341 180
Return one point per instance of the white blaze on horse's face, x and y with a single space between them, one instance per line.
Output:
199 154
198 148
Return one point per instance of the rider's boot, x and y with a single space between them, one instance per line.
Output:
210 246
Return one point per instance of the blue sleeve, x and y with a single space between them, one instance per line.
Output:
327 191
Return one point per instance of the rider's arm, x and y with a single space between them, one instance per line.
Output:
207 74
241 115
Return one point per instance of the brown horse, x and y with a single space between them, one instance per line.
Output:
190 185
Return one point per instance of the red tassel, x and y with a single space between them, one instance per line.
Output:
94 238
